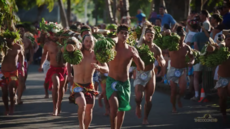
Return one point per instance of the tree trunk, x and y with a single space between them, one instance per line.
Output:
202 4
187 8
63 15
69 11
40 9
126 9
115 11
96 11
109 10
163 3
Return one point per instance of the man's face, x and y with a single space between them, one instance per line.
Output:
212 21
88 43
149 37
84 33
202 17
122 35
138 12
21 31
158 23
161 11
227 41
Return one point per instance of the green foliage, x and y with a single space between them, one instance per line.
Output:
217 57
12 35
74 57
26 4
104 50
49 3
146 54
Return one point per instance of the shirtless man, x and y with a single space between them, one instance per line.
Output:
57 74
223 83
42 40
176 74
145 80
118 87
83 92
10 72
28 48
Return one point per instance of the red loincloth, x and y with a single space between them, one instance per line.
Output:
8 77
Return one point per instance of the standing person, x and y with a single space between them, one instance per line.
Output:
28 50
224 11
10 73
152 17
140 15
204 18
193 27
158 23
83 91
176 74
166 18
57 73
145 80
117 83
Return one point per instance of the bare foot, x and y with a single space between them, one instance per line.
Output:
179 104
19 102
145 122
11 111
46 96
174 110
55 112
7 113
138 111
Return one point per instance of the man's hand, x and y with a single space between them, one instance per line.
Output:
96 66
40 69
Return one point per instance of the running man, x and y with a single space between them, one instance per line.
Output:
118 87
145 80
10 73
83 91
176 74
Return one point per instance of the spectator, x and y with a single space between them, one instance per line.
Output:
166 18
158 23
166 27
216 21
140 16
204 15
224 11
153 16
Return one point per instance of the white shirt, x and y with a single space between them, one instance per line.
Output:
189 36
206 25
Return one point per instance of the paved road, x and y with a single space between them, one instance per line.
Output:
35 113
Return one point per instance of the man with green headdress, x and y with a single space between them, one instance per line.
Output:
117 84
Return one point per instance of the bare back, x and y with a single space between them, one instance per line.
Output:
178 57
10 60
83 72
224 70
119 67
27 44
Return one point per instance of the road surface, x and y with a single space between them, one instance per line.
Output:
36 111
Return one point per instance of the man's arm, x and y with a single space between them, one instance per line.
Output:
31 52
160 60
44 55
172 22
69 69
21 57
36 47
102 67
137 60
191 57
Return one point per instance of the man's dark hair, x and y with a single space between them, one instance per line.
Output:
205 12
85 28
150 29
217 17
122 27
85 37
166 26
158 19
180 31
162 6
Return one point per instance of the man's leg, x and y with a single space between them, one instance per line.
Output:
89 113
46 86
56 86
222 93
182 85
21 87
196 84
173 95
80 101
12 85
5 99
138 98
103 95
113 103
149 90
120 119
61 92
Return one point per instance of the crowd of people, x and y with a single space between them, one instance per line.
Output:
114 76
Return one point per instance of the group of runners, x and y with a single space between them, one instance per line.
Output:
114 76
